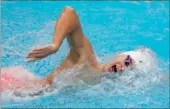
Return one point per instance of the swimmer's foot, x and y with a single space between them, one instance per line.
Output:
37 54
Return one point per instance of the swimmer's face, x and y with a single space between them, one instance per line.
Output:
119 64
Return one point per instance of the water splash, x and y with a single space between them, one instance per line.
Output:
136 80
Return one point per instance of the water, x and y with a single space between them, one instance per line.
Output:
111 27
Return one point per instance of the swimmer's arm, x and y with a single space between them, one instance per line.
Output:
66 24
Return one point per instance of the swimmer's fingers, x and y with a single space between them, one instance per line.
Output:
38 54
33 59
42 52
34 51
47 48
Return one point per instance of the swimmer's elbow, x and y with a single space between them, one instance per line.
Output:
69 9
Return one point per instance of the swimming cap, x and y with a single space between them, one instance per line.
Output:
136 56
144 58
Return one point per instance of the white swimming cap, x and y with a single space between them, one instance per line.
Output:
136 56
144 58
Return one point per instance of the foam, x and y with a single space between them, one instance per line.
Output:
110 84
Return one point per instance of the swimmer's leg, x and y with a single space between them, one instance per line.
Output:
68 24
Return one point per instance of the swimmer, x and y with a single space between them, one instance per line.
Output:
81 52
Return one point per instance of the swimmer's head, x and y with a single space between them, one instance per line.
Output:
119 64
141 58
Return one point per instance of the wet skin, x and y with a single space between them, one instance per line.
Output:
68 26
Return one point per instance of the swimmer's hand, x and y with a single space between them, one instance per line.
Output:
39 53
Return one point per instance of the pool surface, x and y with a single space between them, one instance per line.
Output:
111 27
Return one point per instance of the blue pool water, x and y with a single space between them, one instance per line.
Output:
111 27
